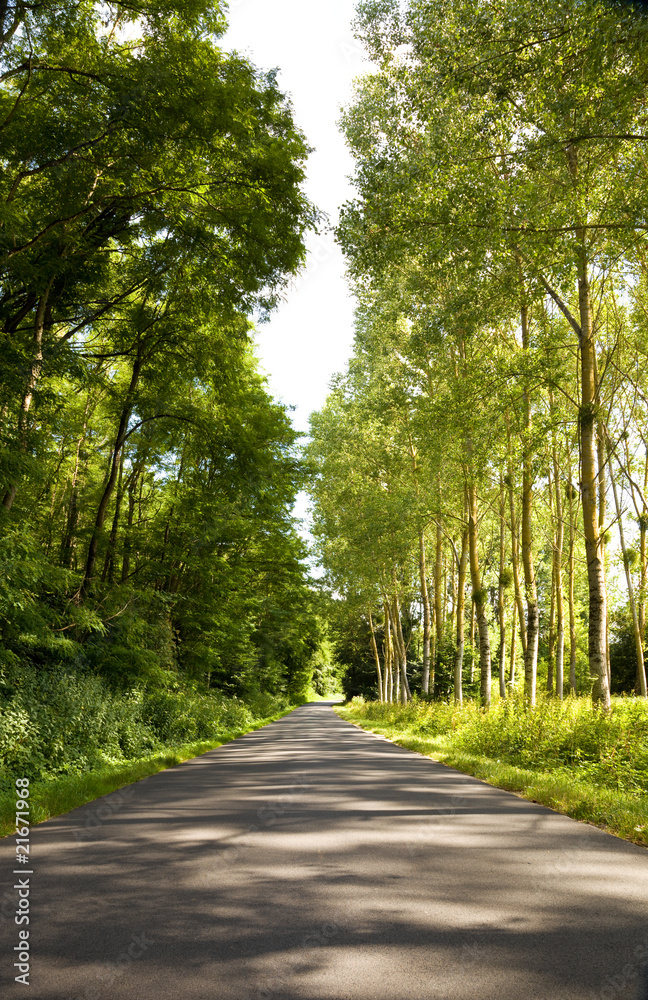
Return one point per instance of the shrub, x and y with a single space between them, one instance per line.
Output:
607 749
53 724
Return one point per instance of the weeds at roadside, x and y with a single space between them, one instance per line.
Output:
564 755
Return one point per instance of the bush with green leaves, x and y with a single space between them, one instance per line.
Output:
188 717
53 724
609 749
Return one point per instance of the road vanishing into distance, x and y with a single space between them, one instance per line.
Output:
311 861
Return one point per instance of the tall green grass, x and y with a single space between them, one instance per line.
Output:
567 755
57 724
56 795
75 738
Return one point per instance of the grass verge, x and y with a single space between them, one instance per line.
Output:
622 813
55 796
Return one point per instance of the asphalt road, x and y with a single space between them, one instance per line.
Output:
310 860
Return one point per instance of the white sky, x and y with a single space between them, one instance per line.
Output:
309 338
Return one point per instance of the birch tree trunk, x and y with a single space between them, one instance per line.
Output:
597 644
406 694
500 593
570 593
530 588
643 564
376 657
460 604
515 557
558 570
551 639
638 639
513 646
601 463
551 643
393 689
426 687
473 629
478 600
438 597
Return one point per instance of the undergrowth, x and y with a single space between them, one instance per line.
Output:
567 755
56 795
57 724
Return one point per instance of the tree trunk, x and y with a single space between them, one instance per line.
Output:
473 629
588 414
570 592
108 574
425 598
558 571
551 643
530 589
641 671
500 594
376 657
128 535
406 694
597 644
109 486
438 596
461 596
451 607
478 600
35 369
515 558
601 462
513 646
641 602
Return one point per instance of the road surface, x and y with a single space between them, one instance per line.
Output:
312 861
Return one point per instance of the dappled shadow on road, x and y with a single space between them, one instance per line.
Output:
309 860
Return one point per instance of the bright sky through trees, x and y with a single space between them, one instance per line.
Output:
309 338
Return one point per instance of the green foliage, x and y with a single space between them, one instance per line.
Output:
184 718
55 724
149 560
607 749
586 790
53 796
623 658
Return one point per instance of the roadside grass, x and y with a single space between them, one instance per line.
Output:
54 796
565 756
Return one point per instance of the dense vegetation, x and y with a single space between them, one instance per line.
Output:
151 573
479 473
481 490
565 754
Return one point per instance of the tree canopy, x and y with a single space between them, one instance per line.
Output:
152 203
496 243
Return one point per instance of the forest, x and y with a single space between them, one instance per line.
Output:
479 472
481 468
153 581
397 746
